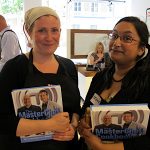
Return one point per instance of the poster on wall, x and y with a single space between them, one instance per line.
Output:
83 41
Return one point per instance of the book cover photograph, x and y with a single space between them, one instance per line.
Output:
38 103
119 122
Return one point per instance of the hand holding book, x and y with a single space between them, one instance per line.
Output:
60 122
85 123
64 136
40 104
88 116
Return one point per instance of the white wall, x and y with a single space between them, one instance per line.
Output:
31 3
138 8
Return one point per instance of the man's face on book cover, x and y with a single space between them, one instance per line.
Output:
27 101
127 118
44 97
107 120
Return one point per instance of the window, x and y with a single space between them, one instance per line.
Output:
75 26
93 26
94 7
77 6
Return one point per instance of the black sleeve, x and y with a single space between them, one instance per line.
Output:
139 143
71 70
11 77
142 142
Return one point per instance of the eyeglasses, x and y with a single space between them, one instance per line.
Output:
124 38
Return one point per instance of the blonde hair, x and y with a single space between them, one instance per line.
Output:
99 44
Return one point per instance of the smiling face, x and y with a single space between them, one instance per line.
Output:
45 35
122 52
43 96
27 101
107 120
127 118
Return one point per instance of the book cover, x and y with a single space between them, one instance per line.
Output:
119 122
37 103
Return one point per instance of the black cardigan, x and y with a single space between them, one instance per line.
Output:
123 97
13 76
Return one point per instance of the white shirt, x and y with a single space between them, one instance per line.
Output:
9 46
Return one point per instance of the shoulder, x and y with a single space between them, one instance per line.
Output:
91 53
66 61
69 66
8 33
21 109
133 124
15 65
36 107
99 126
52 102
18 60
100 75
116 126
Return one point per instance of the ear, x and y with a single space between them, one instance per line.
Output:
141 51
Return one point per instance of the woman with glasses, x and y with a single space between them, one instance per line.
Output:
125 81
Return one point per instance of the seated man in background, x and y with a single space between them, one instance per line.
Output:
9 43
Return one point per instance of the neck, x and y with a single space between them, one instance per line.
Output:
120 72
115 80
45 64
41 59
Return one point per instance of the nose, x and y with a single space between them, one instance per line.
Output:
49 35
117 42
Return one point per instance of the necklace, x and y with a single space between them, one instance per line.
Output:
117 80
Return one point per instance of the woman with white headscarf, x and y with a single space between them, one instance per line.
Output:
40 67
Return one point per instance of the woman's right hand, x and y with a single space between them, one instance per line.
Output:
83 125
60 122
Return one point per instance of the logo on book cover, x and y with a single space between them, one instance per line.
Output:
37 103
112 125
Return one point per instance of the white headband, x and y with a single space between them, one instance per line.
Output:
34 13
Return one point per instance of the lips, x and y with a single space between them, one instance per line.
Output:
48 44
116 50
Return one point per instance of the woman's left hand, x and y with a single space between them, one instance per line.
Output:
64 136
90 138
93 142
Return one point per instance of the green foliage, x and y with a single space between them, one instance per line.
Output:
11 6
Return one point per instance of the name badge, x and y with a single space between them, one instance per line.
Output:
96 99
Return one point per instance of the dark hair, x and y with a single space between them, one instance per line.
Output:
140 27
137 79
43 91
128 112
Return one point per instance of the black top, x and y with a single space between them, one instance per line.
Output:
127 95
20 72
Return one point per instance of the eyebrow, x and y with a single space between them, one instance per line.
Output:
128 31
